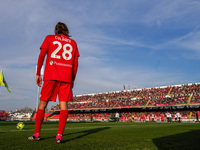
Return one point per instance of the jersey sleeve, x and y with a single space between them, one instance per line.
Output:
43 51
75 63
45 44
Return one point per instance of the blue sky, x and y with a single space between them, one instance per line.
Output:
140 43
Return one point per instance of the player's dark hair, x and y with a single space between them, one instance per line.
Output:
62 28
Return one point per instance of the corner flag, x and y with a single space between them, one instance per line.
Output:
3 81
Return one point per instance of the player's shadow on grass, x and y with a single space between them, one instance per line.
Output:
85 133
183 141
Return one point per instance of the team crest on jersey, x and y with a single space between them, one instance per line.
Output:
51 62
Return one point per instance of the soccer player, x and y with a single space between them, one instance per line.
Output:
59 75
179 117
152 117
162 117
117 116
149 117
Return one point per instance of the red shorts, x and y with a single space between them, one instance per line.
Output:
51 89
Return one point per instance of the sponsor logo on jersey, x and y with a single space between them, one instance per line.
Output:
61 64
51 62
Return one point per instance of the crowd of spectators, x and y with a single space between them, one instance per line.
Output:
158 96
177 95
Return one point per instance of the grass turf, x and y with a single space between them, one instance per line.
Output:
100 136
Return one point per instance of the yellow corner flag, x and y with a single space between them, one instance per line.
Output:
3 81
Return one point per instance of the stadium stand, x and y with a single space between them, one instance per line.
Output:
154 97
140 103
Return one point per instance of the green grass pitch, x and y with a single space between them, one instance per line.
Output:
103 136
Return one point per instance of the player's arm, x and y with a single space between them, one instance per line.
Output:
38 80
75 66
75 70
39 66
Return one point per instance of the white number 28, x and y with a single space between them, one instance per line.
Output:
65 51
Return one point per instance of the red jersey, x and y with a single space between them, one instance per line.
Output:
62 58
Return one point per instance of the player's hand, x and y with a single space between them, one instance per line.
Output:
38 80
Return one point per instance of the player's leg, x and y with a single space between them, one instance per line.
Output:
40 115
65 95
62 121
63 117
38 120
48 92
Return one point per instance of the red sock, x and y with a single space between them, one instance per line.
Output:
38 120
62 121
